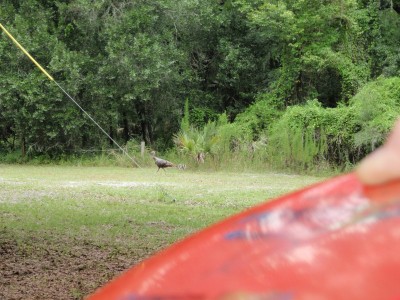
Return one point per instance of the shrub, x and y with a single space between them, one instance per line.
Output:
259 116
298 140
378 106
302 137
309 135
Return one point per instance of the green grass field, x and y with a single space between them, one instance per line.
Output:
84 225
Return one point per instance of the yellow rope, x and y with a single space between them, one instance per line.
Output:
26 53
69 96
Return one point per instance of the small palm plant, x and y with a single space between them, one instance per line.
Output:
197 143
193 141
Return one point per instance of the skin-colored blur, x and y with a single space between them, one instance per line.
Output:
383 164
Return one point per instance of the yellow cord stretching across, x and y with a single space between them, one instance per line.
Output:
68 95
26 53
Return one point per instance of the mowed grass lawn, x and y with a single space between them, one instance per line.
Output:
64 231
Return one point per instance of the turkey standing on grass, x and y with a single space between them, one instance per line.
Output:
161 163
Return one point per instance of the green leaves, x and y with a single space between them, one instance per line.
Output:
308 34
378 107
132 64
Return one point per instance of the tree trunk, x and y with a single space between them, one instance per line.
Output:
145 131
111 133
23 146
144 123
126 127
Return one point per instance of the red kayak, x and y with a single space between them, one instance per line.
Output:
334 240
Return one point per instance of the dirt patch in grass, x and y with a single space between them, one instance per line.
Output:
66 269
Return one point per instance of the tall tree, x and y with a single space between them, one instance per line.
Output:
320 54
28 102
143 70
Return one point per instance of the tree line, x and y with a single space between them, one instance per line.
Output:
316 78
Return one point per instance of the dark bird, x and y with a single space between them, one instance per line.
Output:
161 163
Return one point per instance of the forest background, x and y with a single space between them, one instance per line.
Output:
295 84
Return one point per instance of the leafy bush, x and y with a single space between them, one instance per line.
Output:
259 116
378 106
309 135
298 138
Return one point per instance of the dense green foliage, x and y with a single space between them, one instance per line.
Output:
285 83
